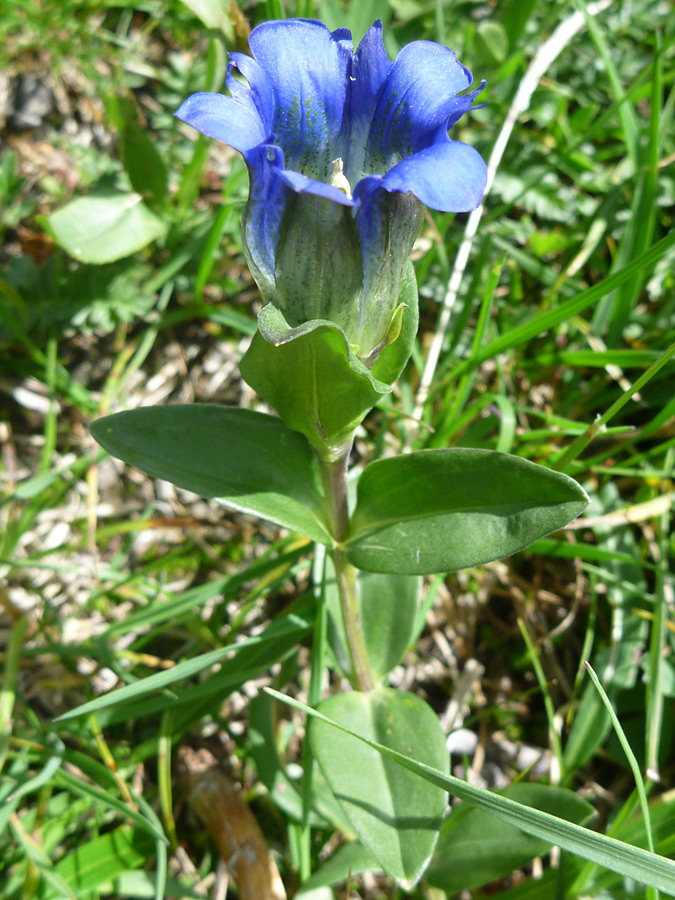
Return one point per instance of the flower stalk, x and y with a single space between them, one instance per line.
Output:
333 466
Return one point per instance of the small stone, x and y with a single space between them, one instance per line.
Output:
462 742
30 104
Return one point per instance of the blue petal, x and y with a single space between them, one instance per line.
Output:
260 86
448 176
463 104
308 68
370 68
232 120
301 184
417 99
261 222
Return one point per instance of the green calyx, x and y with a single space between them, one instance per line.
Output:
313 378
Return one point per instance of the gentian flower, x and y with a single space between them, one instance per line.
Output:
344 150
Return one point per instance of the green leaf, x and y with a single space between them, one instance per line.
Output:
245 460
474 848
589 730
394 813
310 376
389 605
442 510
515 15
492 42
101 229
141 159
161 612
101 859
52 765
140 885
633 862
107 800
144 166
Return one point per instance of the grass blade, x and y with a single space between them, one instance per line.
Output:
186 669
632 762
549 319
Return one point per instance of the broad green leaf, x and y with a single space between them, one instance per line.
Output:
633 862
474 848
442 510
101 859
245 460
394 813
310 376
389 605
101 229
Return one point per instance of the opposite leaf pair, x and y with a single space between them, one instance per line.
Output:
417 514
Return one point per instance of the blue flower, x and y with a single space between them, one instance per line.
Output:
344 150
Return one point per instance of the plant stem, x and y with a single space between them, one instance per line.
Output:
362 677
333 466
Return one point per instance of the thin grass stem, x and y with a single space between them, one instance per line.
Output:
652 893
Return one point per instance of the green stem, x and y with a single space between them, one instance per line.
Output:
362 676
333 466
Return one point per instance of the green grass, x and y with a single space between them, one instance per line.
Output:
108 580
